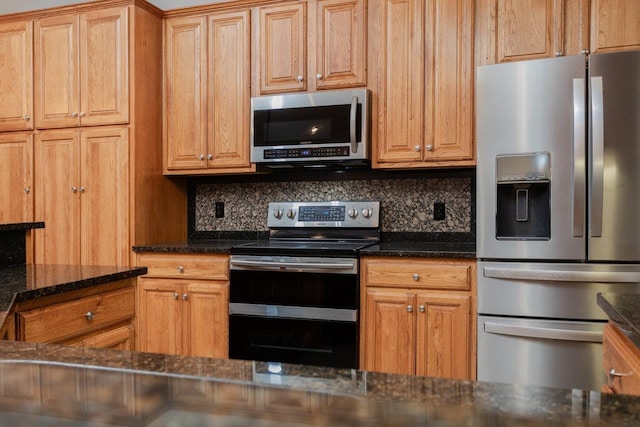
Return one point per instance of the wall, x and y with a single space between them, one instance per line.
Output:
406 200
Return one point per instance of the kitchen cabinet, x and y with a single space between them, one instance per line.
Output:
418 316
621 362
207 93
83 196
16 69
424 83
510 30
312 45
91 320
16 175
81 69
183 304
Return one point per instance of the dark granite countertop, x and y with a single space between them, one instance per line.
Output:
624 311
25 282
21 226
107 387
222 246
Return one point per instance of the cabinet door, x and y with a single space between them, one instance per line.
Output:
57 201
104 188
389 331
340 38
229 90
615 25
16 69
16 196
185 124
449 81
207 323
400 70
282 48
159 316
104 64
121 338
443 346
57 97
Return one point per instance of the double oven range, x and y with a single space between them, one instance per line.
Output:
294 298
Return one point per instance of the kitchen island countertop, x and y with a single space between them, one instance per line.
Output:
129 388
624 311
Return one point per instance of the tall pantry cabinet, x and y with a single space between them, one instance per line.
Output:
97 145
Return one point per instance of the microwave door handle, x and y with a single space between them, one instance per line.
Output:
352 124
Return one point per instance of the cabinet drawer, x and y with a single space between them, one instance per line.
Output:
621 355
68 319
194 266
417 273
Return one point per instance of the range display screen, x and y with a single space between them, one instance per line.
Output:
321 213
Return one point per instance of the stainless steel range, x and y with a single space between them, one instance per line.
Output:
295 297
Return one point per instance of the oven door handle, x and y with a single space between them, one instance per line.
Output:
278 265
293 312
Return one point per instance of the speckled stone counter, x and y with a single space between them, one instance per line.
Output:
624 311
194 246
54 385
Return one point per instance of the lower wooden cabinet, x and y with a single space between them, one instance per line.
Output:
103 319
418 316
184 309
621 362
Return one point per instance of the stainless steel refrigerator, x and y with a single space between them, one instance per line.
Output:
558 212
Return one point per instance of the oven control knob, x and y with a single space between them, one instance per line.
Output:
277 213
291 214
353 213
366 212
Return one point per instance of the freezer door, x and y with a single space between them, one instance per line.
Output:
614 142
534 107
543 353
551 290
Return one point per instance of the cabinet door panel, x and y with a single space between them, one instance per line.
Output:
122 338
16 69
159 316
282 48
390 331
443 341
449 84
340 44
57 200
56 72
104 62
615 25
229 89
16 202
207 325
104 197
400 69
185 127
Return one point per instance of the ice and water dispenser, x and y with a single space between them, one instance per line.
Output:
523 186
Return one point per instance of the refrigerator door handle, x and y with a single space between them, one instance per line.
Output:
543 333
597 147
579 154
562 275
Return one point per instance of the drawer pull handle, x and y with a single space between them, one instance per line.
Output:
613 374
416 276
89 315
181 269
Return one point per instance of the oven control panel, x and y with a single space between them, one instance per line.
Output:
332 214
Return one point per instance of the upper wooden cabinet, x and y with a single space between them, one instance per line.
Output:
312 45
16 71
424 73
16 176
207 93
516 30
81 69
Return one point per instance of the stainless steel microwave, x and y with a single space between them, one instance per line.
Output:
311 129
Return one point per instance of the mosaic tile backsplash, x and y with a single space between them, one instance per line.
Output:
406 204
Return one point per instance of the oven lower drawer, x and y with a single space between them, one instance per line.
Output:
288 340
